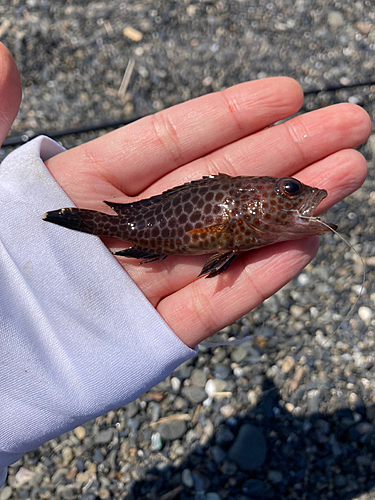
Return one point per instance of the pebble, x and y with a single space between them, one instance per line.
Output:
296 311
98 456
212 496
215 385
187 478
24 475
221 372
82 477
199 378
275 476
313 402
67 455
288 364
132 409
156 441
254 489
104 437
132 33
224 436
80 432
194 394
176 384
172 430
238 354
218 454
249 449
6 493
366 314
335 19
227 411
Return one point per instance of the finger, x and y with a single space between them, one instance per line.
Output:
192 312
340 174
133 157
283 149
10 91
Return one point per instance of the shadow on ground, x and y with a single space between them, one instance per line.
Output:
269 453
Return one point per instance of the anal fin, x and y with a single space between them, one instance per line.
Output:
217 263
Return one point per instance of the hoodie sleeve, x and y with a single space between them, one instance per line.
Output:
77 336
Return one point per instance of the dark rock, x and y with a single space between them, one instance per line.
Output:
218 454
98 456
254 489
224 436
249 449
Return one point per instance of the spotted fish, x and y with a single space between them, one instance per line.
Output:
216 214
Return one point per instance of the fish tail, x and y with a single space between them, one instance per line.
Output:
86 221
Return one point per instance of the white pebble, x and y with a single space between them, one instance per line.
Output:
6 493
303 279
176 384
24 475
335 19
366 314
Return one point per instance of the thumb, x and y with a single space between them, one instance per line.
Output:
10 91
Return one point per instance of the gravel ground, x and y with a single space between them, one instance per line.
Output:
290 414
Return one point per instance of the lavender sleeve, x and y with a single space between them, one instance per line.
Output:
77 336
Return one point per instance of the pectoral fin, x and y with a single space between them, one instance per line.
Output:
138 253
215 228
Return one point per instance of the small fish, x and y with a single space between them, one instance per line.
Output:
218 213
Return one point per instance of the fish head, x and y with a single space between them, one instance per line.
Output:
287 209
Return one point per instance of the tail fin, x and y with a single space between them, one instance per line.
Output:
86 221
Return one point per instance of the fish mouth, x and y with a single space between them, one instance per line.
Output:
306 212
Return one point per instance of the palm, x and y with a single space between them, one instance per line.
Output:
223 132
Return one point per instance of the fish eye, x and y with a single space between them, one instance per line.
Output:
289 186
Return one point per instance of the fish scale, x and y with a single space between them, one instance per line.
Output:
217 214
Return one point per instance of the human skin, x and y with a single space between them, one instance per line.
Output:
227 132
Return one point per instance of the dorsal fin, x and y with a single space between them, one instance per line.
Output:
207 179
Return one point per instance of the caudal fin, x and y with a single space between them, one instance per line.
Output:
86 221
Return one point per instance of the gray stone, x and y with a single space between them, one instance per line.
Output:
172 430
132 409
249 449
194 394
98 456
199 378
187 478
238 354
104 437
133 424
222 372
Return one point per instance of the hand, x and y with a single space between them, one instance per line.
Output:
223 132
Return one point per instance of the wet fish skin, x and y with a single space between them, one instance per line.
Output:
218 213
